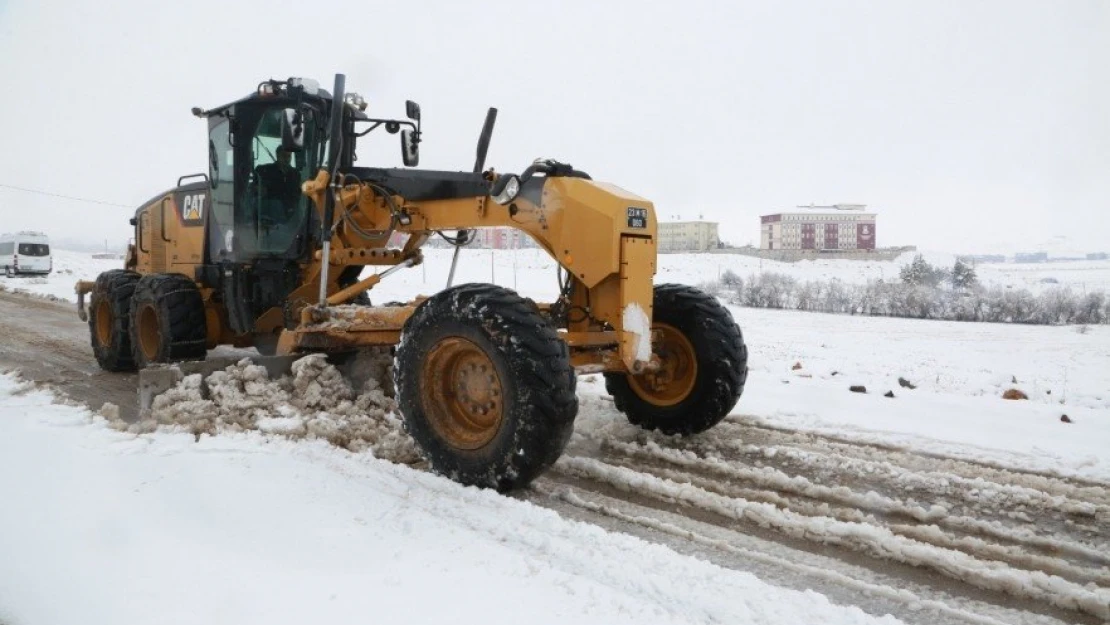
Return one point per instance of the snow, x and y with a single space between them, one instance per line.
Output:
532 272
876 541
960 370
110 527
69 267
242 485
635 320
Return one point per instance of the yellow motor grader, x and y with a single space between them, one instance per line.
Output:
268 249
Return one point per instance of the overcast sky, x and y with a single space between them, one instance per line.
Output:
966 125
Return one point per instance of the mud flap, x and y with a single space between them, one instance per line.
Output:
83 288
636 295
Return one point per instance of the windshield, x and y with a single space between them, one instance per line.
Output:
272 215
34 249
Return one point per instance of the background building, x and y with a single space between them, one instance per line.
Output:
840 227
1031 257
688 236
502 239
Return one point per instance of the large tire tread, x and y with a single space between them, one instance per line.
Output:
722 359
180 311
117 285
536 429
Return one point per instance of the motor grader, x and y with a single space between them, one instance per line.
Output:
269 248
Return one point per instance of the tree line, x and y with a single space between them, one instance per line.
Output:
922 291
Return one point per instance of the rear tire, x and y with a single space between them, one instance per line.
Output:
167 320
705 366
485 386
110 317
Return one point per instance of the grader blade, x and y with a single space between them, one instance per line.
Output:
155 380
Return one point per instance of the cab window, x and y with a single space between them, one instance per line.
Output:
274 215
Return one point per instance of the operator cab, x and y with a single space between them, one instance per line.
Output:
258 210
261 227
261 230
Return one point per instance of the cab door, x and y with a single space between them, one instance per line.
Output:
219 229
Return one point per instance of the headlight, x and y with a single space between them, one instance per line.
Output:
505 189
356 101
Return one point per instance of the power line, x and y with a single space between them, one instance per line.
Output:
68 197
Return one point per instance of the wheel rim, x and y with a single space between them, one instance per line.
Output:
150 338
462 393
104 322
678 368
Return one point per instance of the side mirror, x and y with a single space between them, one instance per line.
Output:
412 110
410 146
292 130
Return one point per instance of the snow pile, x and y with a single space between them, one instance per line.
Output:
316 402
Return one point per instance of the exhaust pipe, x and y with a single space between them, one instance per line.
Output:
483 140
334 152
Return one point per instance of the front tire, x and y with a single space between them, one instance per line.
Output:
485 386
704 365
167 320
110 319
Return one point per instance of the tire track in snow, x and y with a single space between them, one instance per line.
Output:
976 483
903 598
864 440
875 541
714 473
926 534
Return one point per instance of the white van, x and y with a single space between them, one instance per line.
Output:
25 253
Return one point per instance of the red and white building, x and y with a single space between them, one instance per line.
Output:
840 227
502 239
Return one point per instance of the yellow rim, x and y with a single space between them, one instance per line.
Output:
677 373
462 393
150 337
104 322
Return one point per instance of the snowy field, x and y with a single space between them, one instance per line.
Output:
69 267
960 369
532 271
223 528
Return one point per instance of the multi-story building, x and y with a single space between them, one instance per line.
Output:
840 227
1031 257
502 239
687 236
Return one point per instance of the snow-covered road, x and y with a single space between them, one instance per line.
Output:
104 527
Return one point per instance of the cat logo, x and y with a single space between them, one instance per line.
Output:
192 209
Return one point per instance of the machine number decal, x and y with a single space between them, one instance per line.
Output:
192 209
637 217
